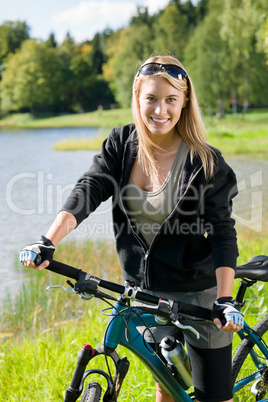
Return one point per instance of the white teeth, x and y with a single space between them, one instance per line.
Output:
159 120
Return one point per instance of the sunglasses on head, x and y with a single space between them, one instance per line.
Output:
171 69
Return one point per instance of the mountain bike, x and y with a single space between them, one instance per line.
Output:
249 365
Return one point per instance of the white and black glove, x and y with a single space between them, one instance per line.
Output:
225 311
38 252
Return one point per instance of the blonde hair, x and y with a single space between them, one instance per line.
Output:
190 125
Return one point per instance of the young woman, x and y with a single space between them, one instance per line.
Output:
172 197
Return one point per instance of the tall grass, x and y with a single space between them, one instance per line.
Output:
42 333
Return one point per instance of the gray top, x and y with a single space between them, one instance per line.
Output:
150 209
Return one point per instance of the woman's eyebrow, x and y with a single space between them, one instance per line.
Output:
168 96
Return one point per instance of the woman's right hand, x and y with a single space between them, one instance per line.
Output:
38 255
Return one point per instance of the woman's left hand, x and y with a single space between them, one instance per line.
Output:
225 316
230 326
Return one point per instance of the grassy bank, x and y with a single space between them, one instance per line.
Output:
41 334
99 118
234 135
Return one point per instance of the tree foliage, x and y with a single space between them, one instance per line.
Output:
222 43
223 57
242 28
12 34
30 77
208 61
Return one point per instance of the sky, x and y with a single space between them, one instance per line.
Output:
81 18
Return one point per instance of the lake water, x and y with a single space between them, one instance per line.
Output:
35 181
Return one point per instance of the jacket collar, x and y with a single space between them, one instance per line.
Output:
191 168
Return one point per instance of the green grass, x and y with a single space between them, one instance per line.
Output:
99 118
240 135
92 144
234 135
42 333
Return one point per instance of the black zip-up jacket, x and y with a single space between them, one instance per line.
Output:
197 237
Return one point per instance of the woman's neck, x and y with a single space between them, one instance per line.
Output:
166 143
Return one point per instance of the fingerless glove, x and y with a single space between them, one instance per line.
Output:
224 309
38 252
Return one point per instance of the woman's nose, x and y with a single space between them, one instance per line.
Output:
160 108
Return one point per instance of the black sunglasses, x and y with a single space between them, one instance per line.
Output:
171 69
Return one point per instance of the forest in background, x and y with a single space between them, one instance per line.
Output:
223 44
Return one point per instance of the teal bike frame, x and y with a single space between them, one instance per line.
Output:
122 330
247 330
116 335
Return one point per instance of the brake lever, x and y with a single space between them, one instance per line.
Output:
179 325
60 287
83 295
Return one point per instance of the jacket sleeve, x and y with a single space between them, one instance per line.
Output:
101 180
221 189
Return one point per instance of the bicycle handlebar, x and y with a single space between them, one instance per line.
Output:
65 270
80 276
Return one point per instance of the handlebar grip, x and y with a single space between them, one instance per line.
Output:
65 270
194 311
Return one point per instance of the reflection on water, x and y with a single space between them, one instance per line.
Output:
35 181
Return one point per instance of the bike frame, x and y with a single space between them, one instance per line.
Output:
130 338
116 335
247 331
122 330
257 362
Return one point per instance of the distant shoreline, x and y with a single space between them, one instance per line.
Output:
233 135
99 118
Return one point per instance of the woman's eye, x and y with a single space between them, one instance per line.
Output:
150 99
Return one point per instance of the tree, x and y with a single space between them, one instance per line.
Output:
142 17
243 26
171 31
96 56
31 77
51 42
12 35
206 58
224 71
66 52
84 88
201 10
186 8
125 49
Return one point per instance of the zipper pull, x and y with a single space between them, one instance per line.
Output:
146 255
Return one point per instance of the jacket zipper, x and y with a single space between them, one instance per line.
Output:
147 250
144 246
147 254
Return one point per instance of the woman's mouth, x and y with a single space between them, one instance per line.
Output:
159 121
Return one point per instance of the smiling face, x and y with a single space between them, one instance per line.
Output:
160 106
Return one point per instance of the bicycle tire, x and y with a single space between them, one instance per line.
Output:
241 365
92 392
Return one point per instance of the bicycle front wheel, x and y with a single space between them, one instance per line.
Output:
243 366
92 393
